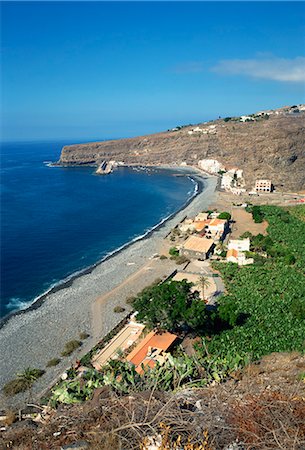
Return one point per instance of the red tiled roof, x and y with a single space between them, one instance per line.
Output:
154 340
232 252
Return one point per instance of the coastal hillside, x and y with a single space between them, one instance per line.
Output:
268 144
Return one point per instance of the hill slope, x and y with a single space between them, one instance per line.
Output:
272 148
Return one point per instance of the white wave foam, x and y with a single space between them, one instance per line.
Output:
18 304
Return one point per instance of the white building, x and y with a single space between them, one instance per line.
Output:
187 225
226 181
242 245
210 165
201 217
246 118
216 228
237 257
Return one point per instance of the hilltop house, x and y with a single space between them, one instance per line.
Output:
246 118
196 247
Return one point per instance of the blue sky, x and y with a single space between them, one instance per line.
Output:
98 70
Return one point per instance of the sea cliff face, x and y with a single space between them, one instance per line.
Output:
271 148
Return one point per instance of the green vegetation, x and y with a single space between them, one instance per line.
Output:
171 306
227 119
265 304
130 300
257 213
174 254
263 311
118 309
173 251
70 347
224 215
297 211
53 362
181 260
163 257
204 283
23 382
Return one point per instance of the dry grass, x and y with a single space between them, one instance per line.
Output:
263 410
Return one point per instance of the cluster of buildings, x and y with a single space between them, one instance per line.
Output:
211 129
236 252
206 231
145 351
232 180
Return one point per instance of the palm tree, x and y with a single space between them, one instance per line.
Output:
204 283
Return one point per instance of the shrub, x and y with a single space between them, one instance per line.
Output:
83 335
10 418
70 347
181 260
257 214
53 362
163 257
130 300
173 252
14 387
227 119
118 309
24 381
224 215
246 234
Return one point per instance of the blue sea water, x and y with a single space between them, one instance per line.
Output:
56 221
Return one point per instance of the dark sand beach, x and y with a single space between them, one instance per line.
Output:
85 303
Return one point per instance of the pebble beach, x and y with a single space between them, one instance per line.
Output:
33 337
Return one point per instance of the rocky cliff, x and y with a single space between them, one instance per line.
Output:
269 145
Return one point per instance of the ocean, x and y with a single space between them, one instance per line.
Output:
58 221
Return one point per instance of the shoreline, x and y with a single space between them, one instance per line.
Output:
66 282
31 339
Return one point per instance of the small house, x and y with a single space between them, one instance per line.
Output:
196 247
151 350
242 245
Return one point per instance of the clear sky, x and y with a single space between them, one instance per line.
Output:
82 70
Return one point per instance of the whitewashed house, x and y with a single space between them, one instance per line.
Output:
246 118
210 165
239 258
241 245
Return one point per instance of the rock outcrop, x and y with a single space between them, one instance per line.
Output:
272 148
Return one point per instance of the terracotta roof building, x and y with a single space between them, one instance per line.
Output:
151 350
197 247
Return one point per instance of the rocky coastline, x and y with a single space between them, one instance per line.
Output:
272 148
